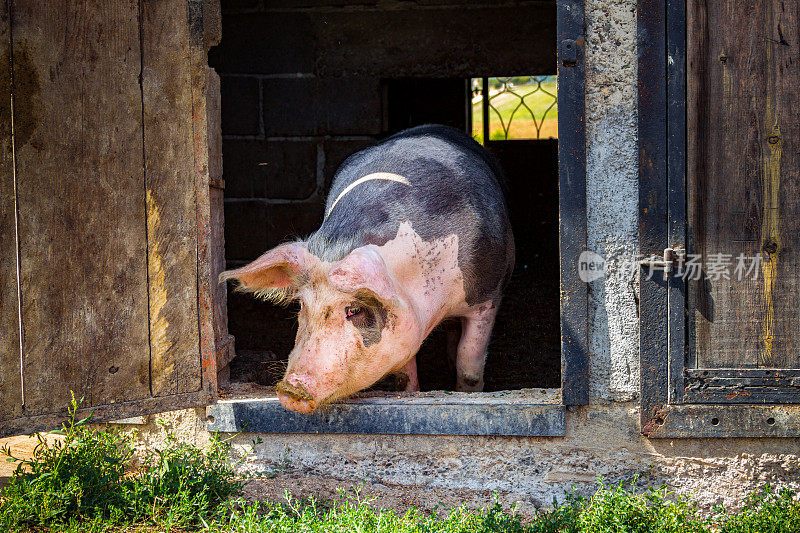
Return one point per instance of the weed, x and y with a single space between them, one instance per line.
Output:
181 485
79 476
765 511
615 509
85 479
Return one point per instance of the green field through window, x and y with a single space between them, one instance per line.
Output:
520 107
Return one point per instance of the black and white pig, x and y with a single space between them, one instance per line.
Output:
415 231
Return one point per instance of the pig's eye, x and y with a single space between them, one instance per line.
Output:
352 310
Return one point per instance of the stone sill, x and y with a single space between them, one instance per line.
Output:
529 412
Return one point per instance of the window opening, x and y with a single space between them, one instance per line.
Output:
517 107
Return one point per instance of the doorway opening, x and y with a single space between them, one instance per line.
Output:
303 88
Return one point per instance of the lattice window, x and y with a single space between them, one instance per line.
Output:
519 107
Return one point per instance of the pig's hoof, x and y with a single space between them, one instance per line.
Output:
400 382
469 384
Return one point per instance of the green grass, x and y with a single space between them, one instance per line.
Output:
89 483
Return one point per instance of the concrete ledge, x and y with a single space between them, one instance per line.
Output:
394 415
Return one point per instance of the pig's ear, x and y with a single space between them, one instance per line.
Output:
274 274
364 270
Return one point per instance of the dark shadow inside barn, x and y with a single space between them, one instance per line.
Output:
306 84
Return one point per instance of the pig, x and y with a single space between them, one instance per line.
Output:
415 231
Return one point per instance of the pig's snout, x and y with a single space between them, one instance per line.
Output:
295 397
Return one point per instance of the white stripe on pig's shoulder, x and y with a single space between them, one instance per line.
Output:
386 176
427 270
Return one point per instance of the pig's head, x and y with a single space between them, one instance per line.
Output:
355 323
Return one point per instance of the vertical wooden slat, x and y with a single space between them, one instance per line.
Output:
223 342
198 39
10 381
78 140
171 184
744 188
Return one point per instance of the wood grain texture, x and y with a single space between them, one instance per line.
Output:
743 155
171 200
81 197
10 381
200 117
112 150
104 413
222 339
728 421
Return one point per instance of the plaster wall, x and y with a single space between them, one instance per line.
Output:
602 439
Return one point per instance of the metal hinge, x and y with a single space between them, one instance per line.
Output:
672 258
569 52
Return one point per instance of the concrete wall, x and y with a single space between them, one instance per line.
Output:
602 439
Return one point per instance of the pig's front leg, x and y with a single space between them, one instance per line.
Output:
406 378
475 332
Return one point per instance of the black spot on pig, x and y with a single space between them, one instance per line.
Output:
371 321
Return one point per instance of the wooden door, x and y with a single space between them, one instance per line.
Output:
743 155
718 179
743 192
105 276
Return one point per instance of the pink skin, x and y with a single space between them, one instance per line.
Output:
419 283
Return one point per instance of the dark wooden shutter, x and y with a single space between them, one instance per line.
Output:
104 210
743 191
720 183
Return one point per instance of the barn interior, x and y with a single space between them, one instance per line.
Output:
307 83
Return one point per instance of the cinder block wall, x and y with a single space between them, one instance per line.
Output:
305 84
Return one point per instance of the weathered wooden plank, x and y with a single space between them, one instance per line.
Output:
743 186
104 413
743 373
171 199
201 140
78 140
223 342
749 385
10 379
737 394
676 189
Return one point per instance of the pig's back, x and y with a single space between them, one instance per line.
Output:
442 182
